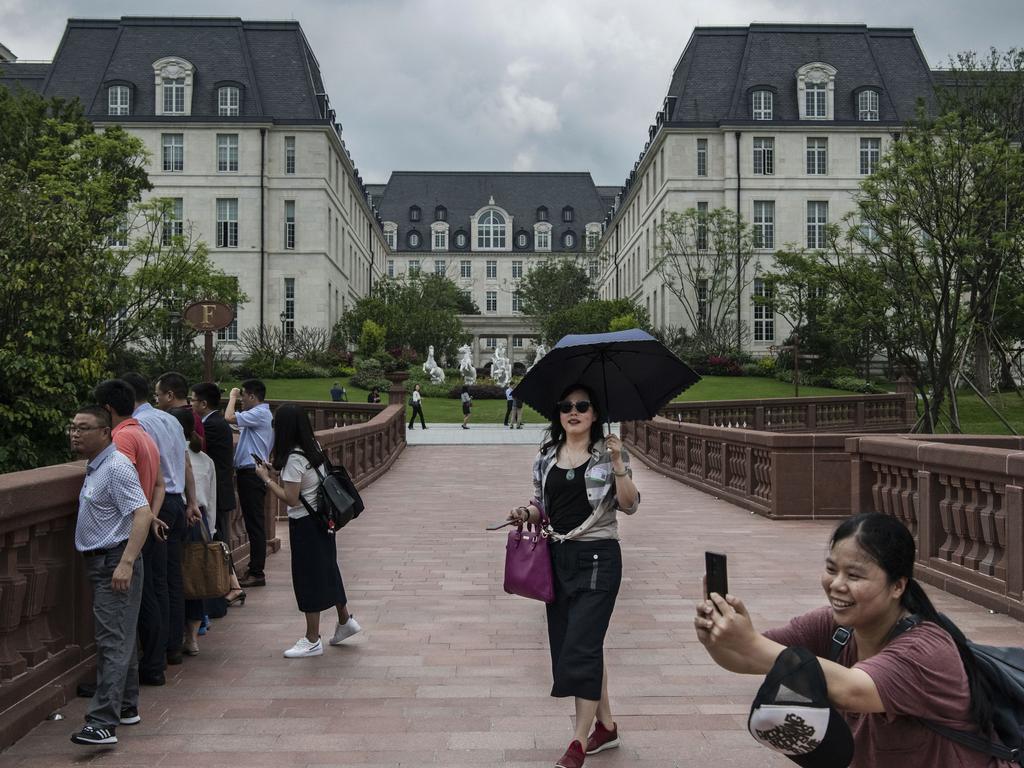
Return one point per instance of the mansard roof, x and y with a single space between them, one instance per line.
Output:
29 75
465 193
271 61
720 66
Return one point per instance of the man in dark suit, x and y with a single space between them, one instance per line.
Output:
220 448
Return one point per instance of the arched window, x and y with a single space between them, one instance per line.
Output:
461 239
762 105
119 100
228 100
522 239
490 232
569 240
413 239
867 105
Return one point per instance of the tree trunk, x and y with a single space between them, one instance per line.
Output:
982 360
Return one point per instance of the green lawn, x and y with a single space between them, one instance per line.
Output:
975 417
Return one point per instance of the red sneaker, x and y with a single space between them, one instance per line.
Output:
573 757
602 739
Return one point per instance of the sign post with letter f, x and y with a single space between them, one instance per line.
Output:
207 317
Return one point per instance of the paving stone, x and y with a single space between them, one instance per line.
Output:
450 671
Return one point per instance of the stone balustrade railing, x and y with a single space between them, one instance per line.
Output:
325 415
845 413
963 499
47 640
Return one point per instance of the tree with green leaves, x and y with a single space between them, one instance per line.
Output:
595 316
554 285
414 312
704 259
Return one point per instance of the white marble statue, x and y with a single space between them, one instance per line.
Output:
432 369
501 366
540 352
466 367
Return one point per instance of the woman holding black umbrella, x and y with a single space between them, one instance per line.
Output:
582 478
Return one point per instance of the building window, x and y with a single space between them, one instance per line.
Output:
542 237
230 333
490 231
440 213
569 240
817 220
542 213
517 342
227 152
173 152
593 238
517 270
702 157
764 311
870 153
440 267
764 224
119 237
460 239
492 301
764 156
490 342
289 224
289 154
391 268
592 269
227 222
567 214
762 106
517 302
414 213
465 268
413 239
390 235
817 157
227 101
414 267
521 240
815 101
492 270
118 100
702 302
289 308
702 226
439 237
174 95
867 105
174 221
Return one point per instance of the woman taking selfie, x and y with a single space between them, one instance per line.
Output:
891 671
316 578
582 478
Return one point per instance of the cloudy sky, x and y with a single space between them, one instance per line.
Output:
521 85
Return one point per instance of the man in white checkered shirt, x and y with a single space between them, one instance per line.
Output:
113 522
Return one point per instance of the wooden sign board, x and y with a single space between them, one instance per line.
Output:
209 315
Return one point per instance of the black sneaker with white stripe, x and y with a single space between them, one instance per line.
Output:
93 735
130 716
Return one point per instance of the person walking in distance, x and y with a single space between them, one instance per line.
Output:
509 403
255 438
113 522
417 407
467 405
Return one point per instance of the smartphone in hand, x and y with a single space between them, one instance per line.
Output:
716 578
257 459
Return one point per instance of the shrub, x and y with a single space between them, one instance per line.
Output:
855 384
371 338
479 392
299 369
369 374
723 365
765 366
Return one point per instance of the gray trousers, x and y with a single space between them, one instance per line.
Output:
116 615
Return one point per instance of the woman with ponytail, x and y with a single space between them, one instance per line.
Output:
884 680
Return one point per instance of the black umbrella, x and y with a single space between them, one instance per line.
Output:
632 373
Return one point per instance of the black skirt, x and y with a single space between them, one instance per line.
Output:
316 577
587 576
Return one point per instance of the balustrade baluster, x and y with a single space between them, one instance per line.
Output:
13 587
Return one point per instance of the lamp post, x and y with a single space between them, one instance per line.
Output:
284 321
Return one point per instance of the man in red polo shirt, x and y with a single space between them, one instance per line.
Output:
118 398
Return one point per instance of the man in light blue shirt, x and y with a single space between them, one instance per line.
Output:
255 439
113 522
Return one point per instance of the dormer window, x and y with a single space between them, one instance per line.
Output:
491 230
228 101
414 213
413 239
761 108
867 105
118 100
390 234
542 213
173 78
569 240
440 213
816 91
567 214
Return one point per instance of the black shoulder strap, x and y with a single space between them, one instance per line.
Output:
841 637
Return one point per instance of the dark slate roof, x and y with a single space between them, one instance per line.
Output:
608 196
720 66
271 60
29 75
465 193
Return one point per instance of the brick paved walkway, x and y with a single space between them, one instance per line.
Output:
450 671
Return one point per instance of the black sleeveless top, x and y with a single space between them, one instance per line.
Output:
567 499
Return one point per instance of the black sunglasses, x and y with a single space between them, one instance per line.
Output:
566 406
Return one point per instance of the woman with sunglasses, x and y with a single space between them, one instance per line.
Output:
582 478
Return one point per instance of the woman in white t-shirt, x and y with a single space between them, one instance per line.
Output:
316 577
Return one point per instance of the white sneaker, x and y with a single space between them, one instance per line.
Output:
346 630
305 648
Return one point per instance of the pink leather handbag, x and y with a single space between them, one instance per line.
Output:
528 561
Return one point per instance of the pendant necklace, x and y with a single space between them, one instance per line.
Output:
571 472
